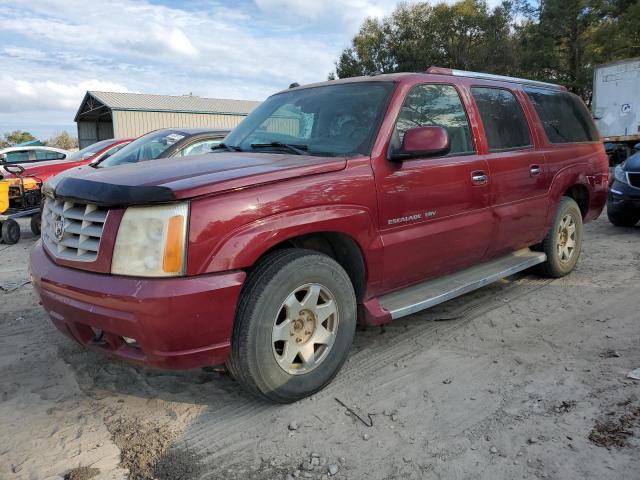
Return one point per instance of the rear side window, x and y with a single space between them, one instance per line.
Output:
436 105
504 123
47 155
564 117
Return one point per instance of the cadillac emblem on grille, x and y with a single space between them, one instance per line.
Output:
58 227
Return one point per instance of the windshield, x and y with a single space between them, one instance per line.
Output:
332 120
90 151
147 147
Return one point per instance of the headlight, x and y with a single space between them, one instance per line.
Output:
620 175
151 241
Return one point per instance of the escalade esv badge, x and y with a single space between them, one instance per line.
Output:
58 227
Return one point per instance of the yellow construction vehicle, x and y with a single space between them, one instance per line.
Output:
20 196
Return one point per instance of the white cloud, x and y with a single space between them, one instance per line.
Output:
18 95
341 13
54 50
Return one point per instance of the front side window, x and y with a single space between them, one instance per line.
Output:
504 123
200 147
339 119
439 106
564 116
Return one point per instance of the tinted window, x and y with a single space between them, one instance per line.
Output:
17 157
502 117
564 117
435 105
330 120
45 155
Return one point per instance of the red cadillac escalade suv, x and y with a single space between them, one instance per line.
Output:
362 199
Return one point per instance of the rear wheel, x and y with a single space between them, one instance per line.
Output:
10 232
564 241
294 326
627 219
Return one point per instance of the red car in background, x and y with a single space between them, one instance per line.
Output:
93 153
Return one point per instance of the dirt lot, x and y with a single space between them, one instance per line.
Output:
522 379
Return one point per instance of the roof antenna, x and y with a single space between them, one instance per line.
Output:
294 85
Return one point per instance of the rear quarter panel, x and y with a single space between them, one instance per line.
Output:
583 164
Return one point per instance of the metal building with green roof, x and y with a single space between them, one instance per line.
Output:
104 115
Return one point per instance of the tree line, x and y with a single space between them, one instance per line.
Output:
62 140
558 41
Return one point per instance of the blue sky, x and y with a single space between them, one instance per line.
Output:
52 51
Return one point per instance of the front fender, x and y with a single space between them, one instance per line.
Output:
234 230
243 247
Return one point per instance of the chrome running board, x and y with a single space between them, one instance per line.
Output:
427 294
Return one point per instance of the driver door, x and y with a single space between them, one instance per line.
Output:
434 213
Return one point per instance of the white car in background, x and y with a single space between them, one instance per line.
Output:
23 155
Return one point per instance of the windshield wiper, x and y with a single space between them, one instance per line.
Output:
295 148
231 148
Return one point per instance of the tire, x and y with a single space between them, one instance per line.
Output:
35 224
561 256
626 219
10 232
310 283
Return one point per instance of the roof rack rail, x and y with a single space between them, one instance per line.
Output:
491 76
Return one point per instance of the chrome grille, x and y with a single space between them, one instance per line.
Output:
79 238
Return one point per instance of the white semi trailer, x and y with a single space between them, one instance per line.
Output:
616 106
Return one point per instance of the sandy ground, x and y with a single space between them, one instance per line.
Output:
522 379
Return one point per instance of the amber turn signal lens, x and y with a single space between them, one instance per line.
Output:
174 248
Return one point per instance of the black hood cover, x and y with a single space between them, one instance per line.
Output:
109 194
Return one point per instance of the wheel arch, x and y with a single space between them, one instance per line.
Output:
573 183
337 245
580 193
346 234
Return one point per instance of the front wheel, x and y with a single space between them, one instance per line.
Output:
294 326
564 241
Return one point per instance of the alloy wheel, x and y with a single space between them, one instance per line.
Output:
566 238
305 328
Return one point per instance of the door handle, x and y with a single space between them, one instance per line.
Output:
479 178
535 170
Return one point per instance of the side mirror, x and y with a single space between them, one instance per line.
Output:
422 142
3 158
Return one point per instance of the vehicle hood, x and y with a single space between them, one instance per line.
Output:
632 164
169 179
